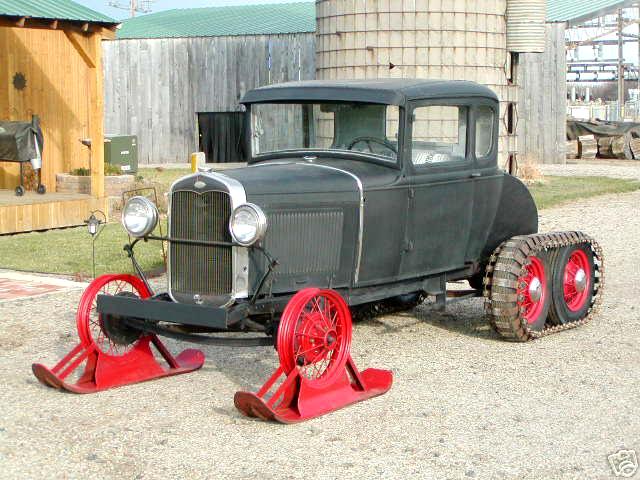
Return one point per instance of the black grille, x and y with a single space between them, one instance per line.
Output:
305 242
203 270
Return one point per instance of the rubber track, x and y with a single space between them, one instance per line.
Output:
508 263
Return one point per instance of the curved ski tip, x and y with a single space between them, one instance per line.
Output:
191 359
250 405
46 376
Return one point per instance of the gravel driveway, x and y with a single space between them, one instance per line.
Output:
598 168
464 404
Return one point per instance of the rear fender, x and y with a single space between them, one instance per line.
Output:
517 214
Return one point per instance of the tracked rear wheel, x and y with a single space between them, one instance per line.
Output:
540 284
520 295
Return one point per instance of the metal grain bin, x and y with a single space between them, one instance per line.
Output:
526 25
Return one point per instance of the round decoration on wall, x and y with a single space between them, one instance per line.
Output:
19 81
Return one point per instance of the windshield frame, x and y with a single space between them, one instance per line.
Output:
326 153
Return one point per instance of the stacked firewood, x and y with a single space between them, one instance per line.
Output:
603 139
617 147
634 144
587 146
573 149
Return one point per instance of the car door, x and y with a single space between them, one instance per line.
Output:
488 177
439 170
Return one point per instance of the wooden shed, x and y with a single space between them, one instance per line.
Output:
51 66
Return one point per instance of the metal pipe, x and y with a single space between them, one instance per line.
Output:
620 67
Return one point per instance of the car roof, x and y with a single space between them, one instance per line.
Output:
392 91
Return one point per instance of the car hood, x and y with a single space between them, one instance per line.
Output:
299 176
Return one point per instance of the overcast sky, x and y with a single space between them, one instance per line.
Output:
159 5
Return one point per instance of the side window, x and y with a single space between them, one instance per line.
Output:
485 119
393 124
439 135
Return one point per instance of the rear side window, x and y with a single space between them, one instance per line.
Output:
485 119
439 134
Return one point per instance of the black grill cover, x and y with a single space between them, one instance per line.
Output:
16 140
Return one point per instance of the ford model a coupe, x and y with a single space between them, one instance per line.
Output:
360 197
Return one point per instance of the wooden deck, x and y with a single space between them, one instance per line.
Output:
42 212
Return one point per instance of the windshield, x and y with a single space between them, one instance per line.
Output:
343 127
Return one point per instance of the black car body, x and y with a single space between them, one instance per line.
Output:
360 195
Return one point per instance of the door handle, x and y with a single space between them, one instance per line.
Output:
475 175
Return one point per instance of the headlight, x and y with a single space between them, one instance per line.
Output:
139 216
247 224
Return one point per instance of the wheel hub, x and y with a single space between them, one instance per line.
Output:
577 280
535 289
311 338
118 331
116 328
330 339
581 280
531 290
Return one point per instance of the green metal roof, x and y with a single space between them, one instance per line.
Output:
265 19
262 19
577 11
52 10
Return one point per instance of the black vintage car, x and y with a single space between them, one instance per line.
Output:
379 191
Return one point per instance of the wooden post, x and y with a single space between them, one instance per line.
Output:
89 47
96 118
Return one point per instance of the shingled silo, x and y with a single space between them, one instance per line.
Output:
441 39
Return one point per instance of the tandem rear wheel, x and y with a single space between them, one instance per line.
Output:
572 283
540 284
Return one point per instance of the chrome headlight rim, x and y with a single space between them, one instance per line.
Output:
261 223
152 216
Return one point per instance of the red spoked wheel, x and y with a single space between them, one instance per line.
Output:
111 336
314 342
573 283
532 293
577 280
314 335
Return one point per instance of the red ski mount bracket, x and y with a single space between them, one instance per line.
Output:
296 400
102 371
110 363
314 342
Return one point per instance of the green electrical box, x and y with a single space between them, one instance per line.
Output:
122 152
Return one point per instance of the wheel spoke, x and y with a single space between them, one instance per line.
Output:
298 354
298 334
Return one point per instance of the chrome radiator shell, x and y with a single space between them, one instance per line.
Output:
203 192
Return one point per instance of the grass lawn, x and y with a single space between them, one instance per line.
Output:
68 251
162 178
555 191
